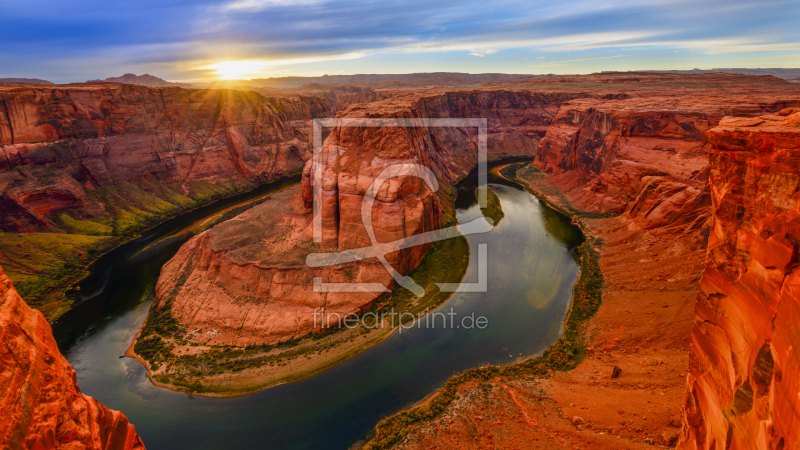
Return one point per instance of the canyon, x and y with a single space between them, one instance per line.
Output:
43 407
84 168
664 184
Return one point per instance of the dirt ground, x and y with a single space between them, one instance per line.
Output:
643 328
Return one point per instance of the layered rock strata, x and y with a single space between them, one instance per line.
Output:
204 284
743 383
643 156
43 407
100 135
246 281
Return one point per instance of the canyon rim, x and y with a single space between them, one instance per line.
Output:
313 232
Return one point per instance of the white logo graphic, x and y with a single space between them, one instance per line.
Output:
380 250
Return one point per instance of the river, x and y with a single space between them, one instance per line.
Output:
531 274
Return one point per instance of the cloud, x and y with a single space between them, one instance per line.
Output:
254 68
566 63
40 37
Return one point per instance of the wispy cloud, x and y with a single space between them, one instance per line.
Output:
184 39
567 62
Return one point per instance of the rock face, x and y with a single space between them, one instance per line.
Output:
100 135
743 370
644 156
246 282
43 408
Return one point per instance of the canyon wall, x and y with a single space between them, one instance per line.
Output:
82 167
205 283
43 407
646 156
96 136
743 384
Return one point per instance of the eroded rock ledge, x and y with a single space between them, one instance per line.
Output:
743 384
42 405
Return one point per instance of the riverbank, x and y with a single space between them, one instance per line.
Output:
47 267
224 371
640 332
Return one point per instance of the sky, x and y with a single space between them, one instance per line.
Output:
203 41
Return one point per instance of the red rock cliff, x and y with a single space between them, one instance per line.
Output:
43 407
246 282
744 372
101 135
646 156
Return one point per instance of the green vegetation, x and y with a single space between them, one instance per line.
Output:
43 265
493 208
564 355
40 263
528 173
446 261
83 227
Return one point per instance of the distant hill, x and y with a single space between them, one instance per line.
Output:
792 75
24 80
142 80
394 80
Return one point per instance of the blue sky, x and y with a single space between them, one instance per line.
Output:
195 41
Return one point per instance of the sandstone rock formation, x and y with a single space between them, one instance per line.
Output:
645 156
102 135
43 407
246 282
743 383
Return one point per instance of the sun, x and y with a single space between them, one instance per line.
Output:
238 70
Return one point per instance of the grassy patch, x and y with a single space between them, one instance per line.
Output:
446 261
41 262
493 208
87 227
43 265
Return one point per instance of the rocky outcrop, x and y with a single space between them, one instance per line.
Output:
644 156
43 407
246 281
205 283
743 369
261 254
101 135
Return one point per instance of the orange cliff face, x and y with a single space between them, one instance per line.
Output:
43 407
743 382
63 142
643 156
246 281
